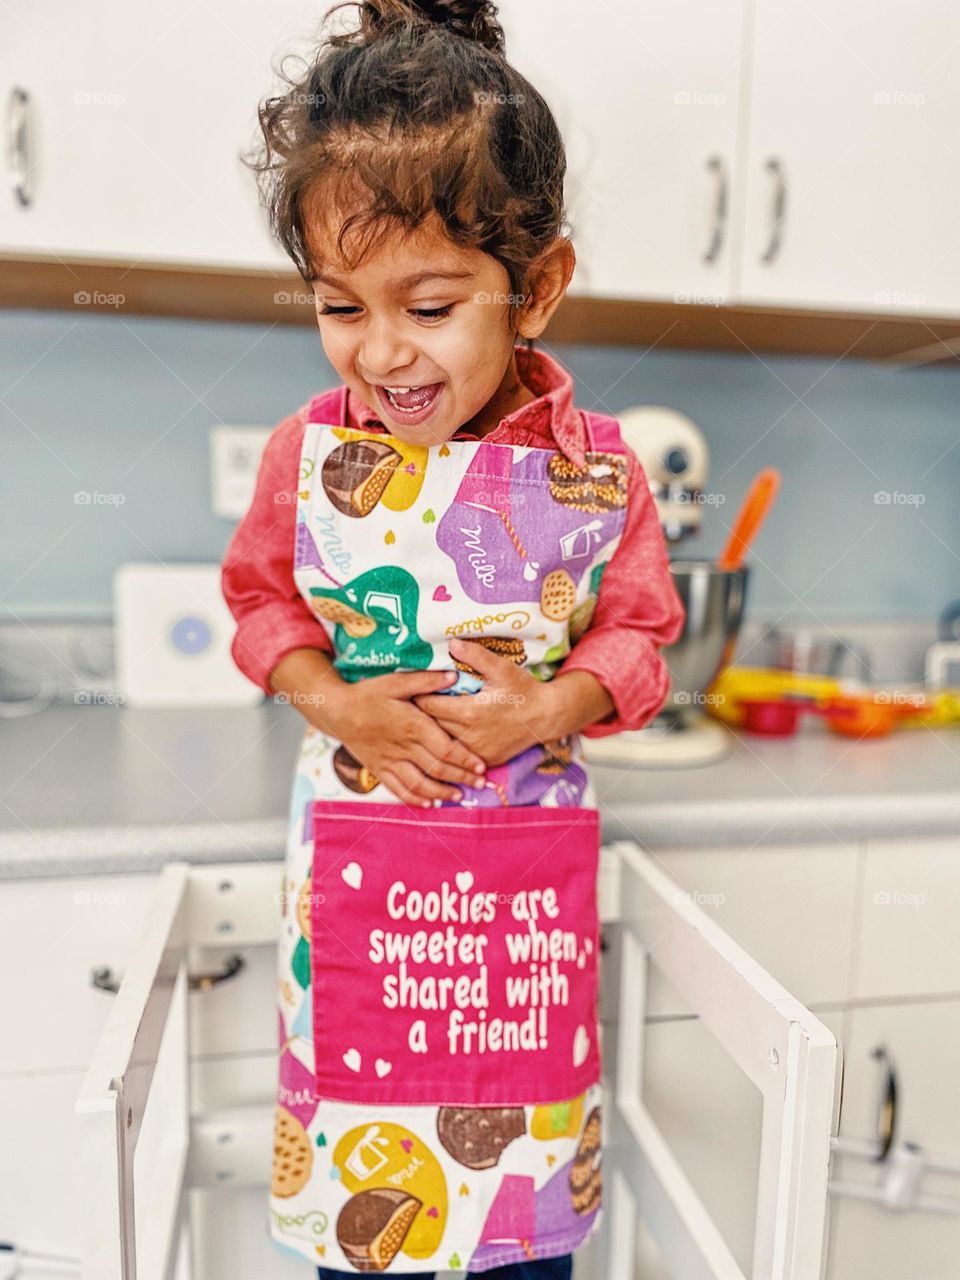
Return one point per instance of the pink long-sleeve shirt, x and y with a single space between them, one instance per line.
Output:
638 609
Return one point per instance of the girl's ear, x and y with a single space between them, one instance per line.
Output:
547 281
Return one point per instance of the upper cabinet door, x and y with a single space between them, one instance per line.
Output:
647 98
134 126
853 165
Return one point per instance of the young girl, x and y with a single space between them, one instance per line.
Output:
443 522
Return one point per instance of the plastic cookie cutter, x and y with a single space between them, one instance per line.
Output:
464 683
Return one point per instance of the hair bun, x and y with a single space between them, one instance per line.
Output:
474 19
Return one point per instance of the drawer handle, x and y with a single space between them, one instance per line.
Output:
715 166
887 1111
104 980
18 145
778 213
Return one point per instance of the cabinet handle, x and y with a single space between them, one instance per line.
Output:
887 1111
718 235
778 212
105 980
18 145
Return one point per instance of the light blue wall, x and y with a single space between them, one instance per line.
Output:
123 405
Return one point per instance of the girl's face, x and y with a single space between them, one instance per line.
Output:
421 312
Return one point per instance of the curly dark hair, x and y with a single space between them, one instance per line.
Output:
417 112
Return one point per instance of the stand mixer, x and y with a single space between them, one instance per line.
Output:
675 458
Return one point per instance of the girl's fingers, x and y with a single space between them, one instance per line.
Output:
394 785
442 770
405 684
448 752
417 788
474 767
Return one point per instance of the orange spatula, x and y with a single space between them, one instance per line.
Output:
750 517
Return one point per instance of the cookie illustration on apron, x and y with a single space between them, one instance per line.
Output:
400 548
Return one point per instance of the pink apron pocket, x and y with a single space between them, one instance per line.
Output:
454 953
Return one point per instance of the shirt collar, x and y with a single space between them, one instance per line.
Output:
549 420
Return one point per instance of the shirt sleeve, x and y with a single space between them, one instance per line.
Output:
256 575
638 610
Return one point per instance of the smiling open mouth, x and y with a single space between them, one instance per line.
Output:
410 404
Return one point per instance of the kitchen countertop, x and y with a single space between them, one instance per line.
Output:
96 789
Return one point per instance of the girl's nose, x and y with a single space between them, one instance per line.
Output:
384 350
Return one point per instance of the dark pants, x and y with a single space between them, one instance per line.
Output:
541 1269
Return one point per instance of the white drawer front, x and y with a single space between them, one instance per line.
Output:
53 933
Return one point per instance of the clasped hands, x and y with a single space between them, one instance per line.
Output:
424 745
508 714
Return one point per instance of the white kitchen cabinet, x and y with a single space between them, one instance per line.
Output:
776 153
139 1083
136 122
908 943
841 925
711 1115
867 1239
39 1208
134 139
647 98
53 934
851 163
792 906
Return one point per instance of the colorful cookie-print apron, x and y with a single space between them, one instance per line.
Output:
439 1093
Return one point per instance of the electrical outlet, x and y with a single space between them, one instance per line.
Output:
235 454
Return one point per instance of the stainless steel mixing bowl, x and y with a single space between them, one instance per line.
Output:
714 600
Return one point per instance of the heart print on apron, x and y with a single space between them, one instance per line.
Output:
439 1100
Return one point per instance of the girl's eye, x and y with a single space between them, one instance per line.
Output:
426 313
433 313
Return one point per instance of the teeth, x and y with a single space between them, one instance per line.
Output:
399 390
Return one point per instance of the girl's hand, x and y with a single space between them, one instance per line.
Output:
510 713
402 745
